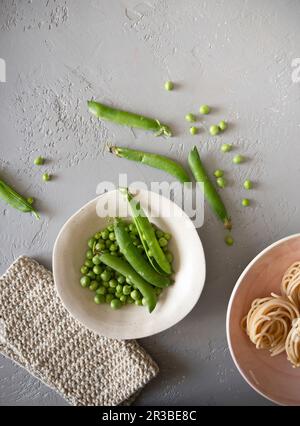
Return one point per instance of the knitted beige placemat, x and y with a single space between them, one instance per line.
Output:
38 333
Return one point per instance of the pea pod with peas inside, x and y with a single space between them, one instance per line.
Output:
13 198
153 250
135 258
154 160
129 119
123 267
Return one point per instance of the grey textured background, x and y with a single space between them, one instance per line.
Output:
234 55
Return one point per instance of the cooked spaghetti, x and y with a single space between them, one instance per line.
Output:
269 321
290 285
292 344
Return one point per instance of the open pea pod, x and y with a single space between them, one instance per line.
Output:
17 201
155 254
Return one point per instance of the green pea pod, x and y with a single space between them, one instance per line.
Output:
123 267
135 258
11 197
128 118
156 256
210 192
154 160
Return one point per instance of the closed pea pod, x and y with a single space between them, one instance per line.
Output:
128 118
153 160
17 201
135 258
123 267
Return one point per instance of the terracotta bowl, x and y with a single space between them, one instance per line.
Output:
272 377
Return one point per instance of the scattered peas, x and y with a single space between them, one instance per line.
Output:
193 130
221 182
169 85
204 109
190 117
246 202
214 130
115 304
226 147
229 240
223 125
99 298
238 159
46 177
39 161
248 184
219 173
85 281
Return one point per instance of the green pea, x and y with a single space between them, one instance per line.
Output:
121 279
108 243
96 260
193 130
118 295
106 275
119 288
112 236
97 269
221 182
89 255
46 177
238 159
111 290
130 301
94 285
100 246
226 147
127 290
91 242
104 234
30 200
169 256
97 236
190 117
218 173
101 290
91 275
109 298
223 125
98 278
99 299
246 202
115 304
248 184
85 281
159 233
105 283
229 240
167 236
135 294
214 130
169 85
89 263
113 283
138 302
204 109
110 228
39 161
123 298
165 248
84 269
163 242
113 247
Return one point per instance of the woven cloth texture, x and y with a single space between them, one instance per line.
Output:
38 333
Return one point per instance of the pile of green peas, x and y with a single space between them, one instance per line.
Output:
107 285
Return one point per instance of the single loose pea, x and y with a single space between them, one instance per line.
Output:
119 288
46 177
97 270
30 200
91 242
238 159
89 263
214 130
246 202
221 182
84 269
163 242
248 184
94 285
106 275
123 298
204 109
126 290
169 85
109 298
219 173
101 290
99 298
39 161
229 240
115 304
193 130
190 118
105 234
135 295
91 275
226 147
223 125
113 283
85 281
121 279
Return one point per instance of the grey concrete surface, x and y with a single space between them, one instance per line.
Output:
234 55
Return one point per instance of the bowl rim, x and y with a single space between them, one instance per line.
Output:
68 307
230 303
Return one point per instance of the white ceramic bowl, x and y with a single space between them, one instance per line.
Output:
131 321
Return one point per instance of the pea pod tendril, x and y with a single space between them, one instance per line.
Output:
129 119
14 199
